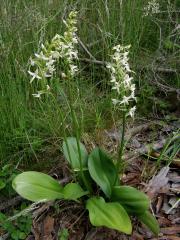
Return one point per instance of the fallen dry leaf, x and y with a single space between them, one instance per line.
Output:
166 238
164 221
157 183
171 230
48 228
131 178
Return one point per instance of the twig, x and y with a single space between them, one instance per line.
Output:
95 61
174 206
93 43
159 69
77 220
168 88
166 70
85 48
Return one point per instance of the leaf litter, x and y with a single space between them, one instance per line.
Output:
162 186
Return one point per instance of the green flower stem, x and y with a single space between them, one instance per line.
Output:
121 146
77 129
64 134
78 133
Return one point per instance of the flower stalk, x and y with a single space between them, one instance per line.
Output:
121 146
43 68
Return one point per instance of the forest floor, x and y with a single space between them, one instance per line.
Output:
156 174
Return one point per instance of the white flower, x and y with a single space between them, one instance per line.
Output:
56 37
32 62
113 79
132 111
41 56
73 69
48 87
37 95
55 54
116 87
115 101
111 68
47 75
126 66
117 48
72 54
116 57
65 23
74 40
109 65
127 80
125 55
50 62
63 75
132 96
34 75
125 100
43 47
132 88
51 69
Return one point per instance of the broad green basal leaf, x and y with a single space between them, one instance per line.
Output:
73 191
36 186
150 221
71 153
111 215
131 199
102 170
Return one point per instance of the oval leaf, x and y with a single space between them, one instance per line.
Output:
72 155
150 221
36 186
73 191
131 199
102 170
111 215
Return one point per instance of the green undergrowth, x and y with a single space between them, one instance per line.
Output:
17 227
27 125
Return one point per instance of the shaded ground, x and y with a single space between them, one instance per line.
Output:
161 183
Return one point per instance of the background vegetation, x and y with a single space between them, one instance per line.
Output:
30 127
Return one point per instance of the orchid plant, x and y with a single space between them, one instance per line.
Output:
123 88
95 175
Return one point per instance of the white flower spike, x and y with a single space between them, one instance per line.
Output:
122 82
43 65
